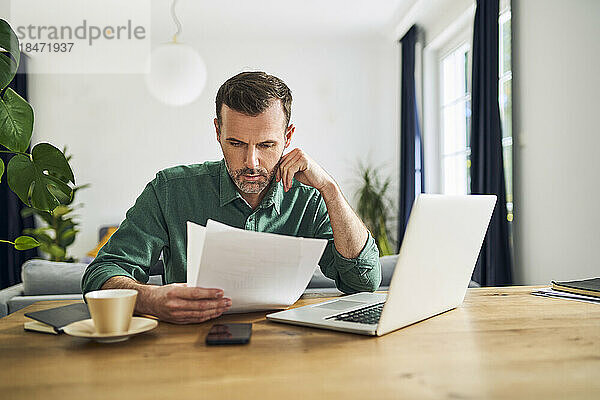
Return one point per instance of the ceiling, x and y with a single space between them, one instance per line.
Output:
281 17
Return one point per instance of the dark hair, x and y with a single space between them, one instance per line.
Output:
252 92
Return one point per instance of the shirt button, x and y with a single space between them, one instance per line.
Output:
250 223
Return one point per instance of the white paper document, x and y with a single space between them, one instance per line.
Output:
549 292
256 270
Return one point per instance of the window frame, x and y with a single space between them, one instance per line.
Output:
456 43
454 35
450 38
503 77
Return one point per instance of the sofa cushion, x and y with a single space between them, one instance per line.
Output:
7 294
319 280
42 277
388 263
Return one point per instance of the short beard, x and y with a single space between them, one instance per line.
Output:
252 187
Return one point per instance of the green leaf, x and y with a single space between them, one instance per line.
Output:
39 235
44 215
1 169
57 253
28 212
10 43
61 211
16 121
61 231
67 238
36 232
30 178
52 160
25 243
20 175
62 197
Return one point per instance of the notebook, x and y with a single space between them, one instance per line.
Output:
586 287
55 319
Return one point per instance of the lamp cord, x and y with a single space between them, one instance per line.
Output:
175 20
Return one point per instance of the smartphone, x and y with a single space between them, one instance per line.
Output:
229 334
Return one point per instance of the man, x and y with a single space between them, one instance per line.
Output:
255 187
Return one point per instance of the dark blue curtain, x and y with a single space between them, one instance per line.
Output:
12 224
494 265
412 178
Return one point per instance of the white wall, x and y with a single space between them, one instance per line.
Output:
345 107
4 8
556 78
433 16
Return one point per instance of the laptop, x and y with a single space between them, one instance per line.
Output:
437 258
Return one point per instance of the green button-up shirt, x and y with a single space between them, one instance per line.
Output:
157 223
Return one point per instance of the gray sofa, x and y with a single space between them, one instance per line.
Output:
47 280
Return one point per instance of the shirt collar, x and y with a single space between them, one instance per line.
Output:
273 197
228 191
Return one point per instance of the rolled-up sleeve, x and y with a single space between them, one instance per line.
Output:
351 275
134 247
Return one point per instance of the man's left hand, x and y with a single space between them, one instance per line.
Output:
297 164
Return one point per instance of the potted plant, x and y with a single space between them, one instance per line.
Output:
60 227
41 178
374 206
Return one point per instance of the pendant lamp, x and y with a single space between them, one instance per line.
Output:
177 73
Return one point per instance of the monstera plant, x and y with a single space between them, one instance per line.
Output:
41 178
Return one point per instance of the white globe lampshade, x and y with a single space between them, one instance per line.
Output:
177 74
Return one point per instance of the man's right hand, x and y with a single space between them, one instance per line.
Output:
176 302
180 304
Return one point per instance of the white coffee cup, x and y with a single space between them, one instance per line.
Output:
111 309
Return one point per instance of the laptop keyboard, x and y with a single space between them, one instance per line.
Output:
366 315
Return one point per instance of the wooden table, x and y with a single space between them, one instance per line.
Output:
501 343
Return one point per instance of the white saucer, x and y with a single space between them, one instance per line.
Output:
86 329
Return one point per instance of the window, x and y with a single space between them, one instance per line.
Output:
456 120
455 113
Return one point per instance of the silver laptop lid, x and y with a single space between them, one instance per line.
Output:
437 257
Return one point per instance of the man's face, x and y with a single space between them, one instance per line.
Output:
253 146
